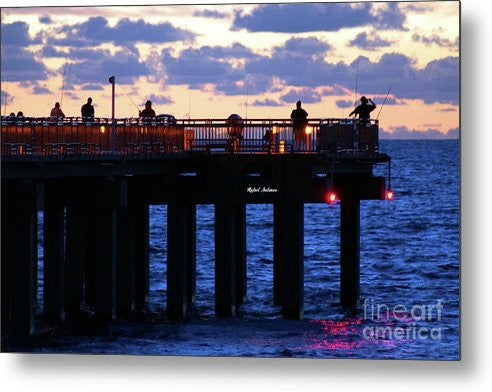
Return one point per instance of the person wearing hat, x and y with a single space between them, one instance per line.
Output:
148 111
364 109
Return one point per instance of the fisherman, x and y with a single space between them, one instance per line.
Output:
364 109
56 111
268 139
299 122
148 111
87 109
235 124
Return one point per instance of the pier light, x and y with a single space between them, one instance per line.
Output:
274 129
389 194
309 130
281 146
102 128
332 197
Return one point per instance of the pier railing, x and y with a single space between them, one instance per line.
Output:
93 136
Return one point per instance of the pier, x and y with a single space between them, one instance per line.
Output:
94 179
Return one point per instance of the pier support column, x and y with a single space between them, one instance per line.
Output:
278 251
190 253
54 262
75 254
240 250
349 250
293 265
104 242
142 254
19 246
225 260
176 260
92 221
125 261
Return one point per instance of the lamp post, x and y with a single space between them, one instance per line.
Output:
112 80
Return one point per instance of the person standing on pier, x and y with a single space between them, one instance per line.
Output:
87 110
148 111
56 111
364 109
299 123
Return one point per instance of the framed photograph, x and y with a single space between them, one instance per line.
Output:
247 180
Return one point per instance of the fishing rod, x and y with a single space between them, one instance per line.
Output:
63 84
131 100
381 108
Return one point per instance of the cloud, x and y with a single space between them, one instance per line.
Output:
453 133
302 63
40 90
344 103
298 18
415 134
304 46
6 96
210 14
448 110
19 64
235 50
92 87
435 39
159 99
125 65
15 34
266 102
96 31
306 95
45 19
362 41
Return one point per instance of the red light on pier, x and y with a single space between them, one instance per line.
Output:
389 194
332 197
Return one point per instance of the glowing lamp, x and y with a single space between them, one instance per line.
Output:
389 194
309 130
274 129
332 197
281 147
102 128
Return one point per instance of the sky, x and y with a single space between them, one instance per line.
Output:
257 60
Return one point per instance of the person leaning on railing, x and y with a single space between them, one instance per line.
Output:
299 123
235 126
56 111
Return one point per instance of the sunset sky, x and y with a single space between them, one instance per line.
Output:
255 60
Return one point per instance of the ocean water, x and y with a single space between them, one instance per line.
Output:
409 281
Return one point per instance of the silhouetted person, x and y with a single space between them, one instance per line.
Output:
20 114
299 122
235 126
364 109
148 111
12 114
268 139
87 109
56 111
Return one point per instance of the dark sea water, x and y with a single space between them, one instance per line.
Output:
409 268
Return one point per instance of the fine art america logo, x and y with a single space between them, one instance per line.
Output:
400 322
264 189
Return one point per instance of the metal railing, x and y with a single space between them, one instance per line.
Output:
94 136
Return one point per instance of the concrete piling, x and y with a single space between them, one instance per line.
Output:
349 250
177 260
54 263
225 260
